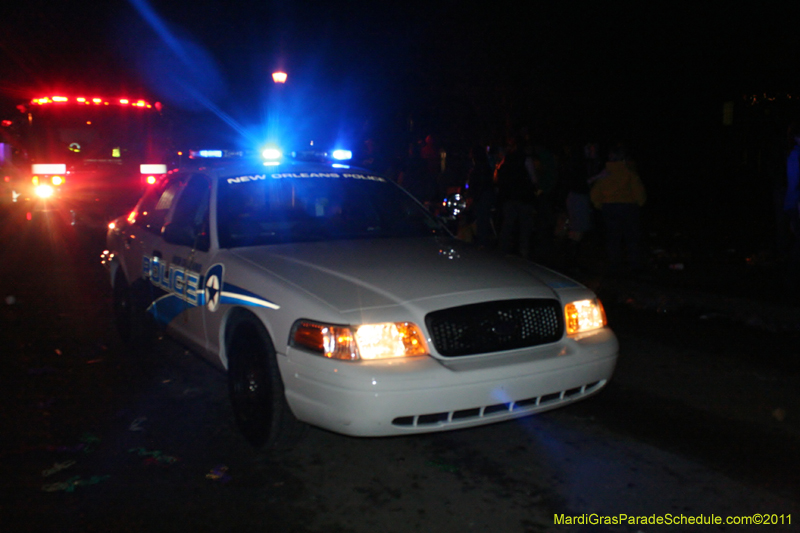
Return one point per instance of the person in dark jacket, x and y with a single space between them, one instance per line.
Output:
516 196
481 194
414 177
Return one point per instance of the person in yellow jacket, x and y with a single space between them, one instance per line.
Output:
619 194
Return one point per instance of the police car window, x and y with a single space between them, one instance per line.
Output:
270 211
190 215
148 203
154 207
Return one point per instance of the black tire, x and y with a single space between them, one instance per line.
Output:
256 388
134 325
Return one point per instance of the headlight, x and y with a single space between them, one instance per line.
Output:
583 316
366 342
44 191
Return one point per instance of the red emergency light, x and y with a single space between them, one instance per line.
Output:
152 172
60 99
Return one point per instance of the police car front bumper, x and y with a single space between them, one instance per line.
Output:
424 394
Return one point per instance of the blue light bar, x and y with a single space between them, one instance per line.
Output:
205 153
342 155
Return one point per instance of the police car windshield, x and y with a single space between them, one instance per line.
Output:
255 210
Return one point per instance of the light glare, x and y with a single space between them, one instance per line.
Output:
44 191
271 153
382 341
47 168
369 342
153 169
379 341
584 315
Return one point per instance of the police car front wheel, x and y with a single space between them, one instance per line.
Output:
255 386
133 324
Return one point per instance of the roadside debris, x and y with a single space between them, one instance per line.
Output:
136 425
72 483
219 473
57 467
154 456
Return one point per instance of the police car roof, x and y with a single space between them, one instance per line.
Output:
233 166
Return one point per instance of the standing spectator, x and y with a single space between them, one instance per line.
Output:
592 160
369 157
433 158
579 207
481 194
516 196
619 195
547 181
414 177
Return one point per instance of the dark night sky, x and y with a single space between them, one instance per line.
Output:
557 65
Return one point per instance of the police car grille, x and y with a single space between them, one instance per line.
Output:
495 326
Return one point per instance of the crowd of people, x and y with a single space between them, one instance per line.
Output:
527 200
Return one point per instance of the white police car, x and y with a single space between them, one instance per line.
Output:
331 297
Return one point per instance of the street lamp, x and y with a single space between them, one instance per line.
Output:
279 77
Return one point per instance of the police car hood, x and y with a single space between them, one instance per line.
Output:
355 275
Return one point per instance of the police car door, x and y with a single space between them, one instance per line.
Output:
184 248
147 267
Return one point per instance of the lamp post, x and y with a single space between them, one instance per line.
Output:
276 105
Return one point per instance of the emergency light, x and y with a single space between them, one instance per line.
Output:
153 169
205 153
152 172
44 100
271 154
49 168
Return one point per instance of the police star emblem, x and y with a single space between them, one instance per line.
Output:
213 287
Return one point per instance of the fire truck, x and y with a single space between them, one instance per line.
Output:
86 158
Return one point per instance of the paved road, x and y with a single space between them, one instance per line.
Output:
701 418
